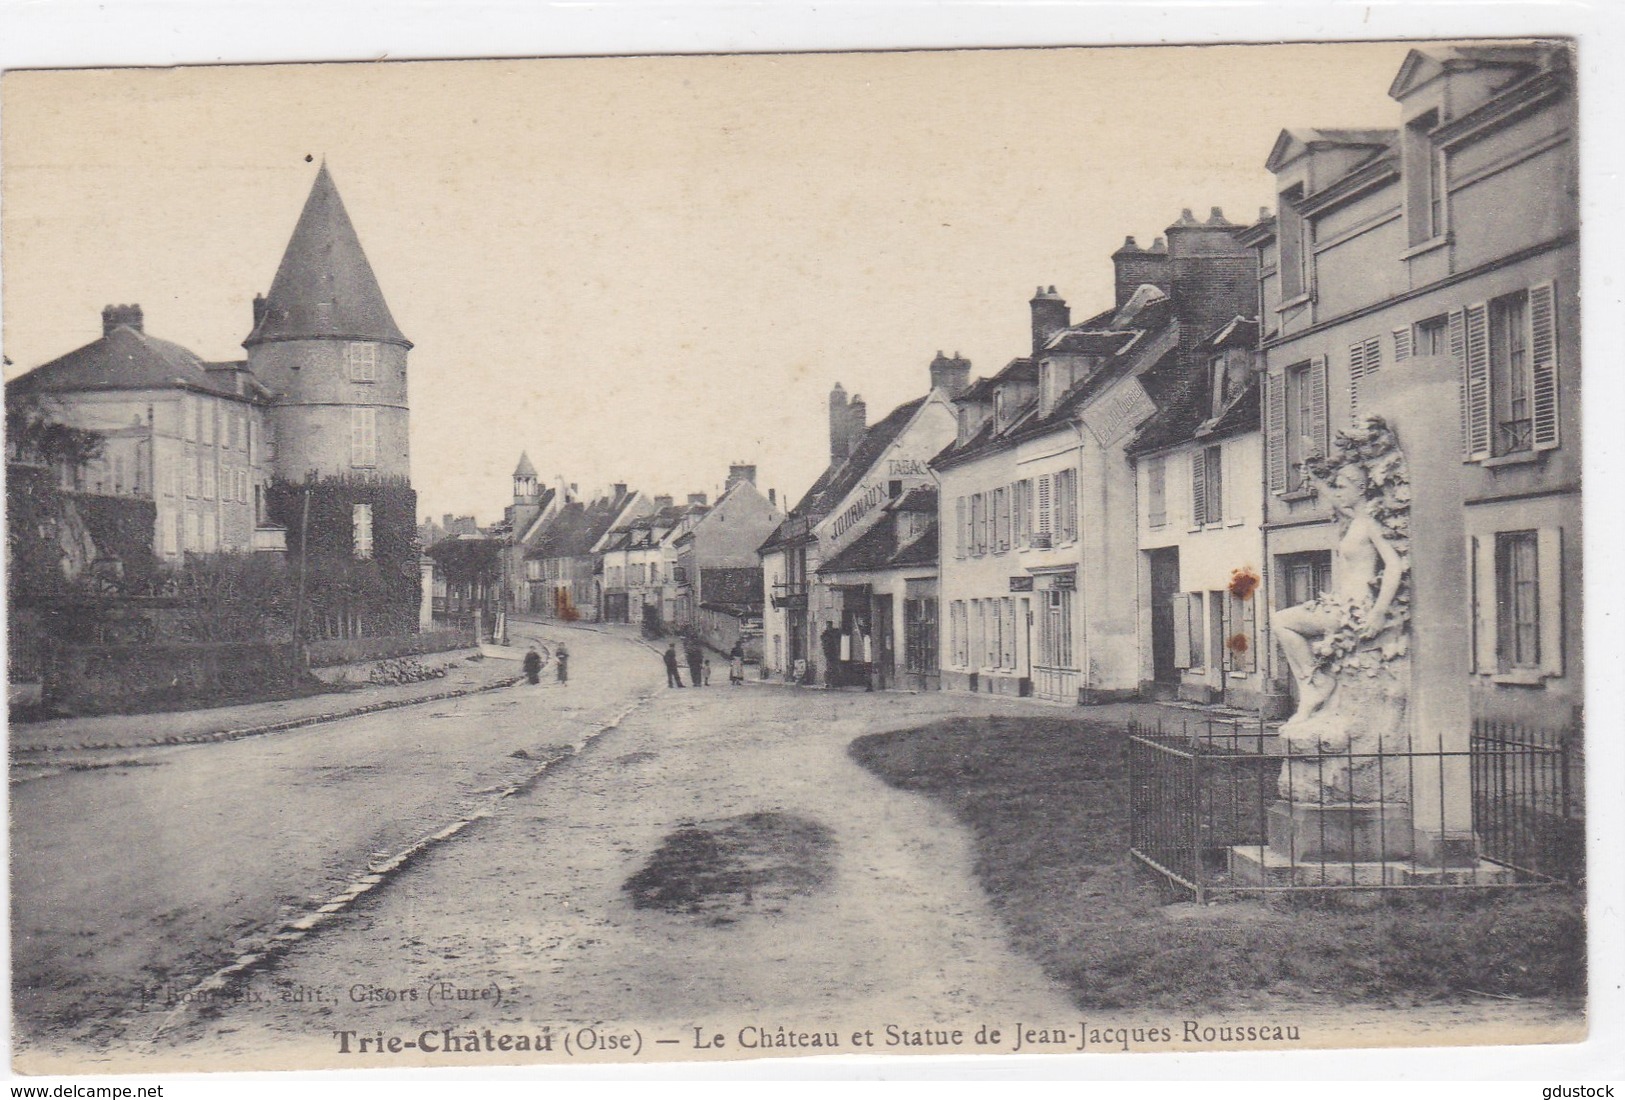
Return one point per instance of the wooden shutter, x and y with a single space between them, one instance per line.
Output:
1549 559
1275 430
959 515
1402 344
1486 641
1373 356
1044 504
1458 352
1182 630
1320 422
1198 488
1478 382
1543 361
1472 604
1356 375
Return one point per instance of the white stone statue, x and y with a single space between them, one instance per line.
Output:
1356 626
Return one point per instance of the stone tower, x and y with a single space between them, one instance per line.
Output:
324 342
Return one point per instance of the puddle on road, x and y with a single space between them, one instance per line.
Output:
726 869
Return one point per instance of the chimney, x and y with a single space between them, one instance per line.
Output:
445 521
620 489
697 498
1050 315
663 501
1136 267
1212 276
773 497
857 422
114 316
950 375
259 309
840 441
739 472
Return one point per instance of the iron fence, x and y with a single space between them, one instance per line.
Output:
1210 813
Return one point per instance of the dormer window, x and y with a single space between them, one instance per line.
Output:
1423 165
1218 385
998 409
1296 244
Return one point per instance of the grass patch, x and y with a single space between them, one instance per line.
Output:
1047 802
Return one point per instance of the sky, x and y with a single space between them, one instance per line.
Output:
644 269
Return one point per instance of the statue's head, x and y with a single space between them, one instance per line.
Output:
1342 481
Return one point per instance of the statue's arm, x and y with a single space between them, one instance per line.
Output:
1393 571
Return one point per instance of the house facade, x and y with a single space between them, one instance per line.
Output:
561 565
895 563
1040 555
718 572
1198 469
1452 237
811 624
639 561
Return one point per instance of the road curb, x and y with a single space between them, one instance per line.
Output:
241 732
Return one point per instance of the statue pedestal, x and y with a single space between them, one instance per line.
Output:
1351 833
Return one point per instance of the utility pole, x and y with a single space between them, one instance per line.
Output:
299 594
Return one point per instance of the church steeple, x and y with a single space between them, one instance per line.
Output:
324 288
524 481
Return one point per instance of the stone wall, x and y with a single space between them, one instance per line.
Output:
134 678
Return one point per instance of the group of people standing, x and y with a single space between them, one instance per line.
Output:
533 665
699 665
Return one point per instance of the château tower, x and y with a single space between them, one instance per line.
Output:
325 344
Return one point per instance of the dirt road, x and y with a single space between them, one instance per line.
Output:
825 901
130 884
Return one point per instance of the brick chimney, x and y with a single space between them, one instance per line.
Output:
113 316
739 472
620 489
1213 277
840 441
663 501
1137 267
1050 315
697 498
950 375
857 422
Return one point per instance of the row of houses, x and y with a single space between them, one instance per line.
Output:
1117 511
620 556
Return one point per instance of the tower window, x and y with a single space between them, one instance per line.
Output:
363 437
361 521
363 362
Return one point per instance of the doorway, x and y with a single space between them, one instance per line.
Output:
1164 568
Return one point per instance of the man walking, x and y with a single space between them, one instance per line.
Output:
561 661
691 650
533 666
673 678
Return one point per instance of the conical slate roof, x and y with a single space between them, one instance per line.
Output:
524 469
324 287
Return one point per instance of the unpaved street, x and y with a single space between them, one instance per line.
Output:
531 900
131 883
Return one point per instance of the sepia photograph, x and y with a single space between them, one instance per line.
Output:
654 559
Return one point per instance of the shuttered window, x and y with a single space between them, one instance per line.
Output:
1402 344
1365 360
1518 611
1157 491
1044 505
1296 421
959 527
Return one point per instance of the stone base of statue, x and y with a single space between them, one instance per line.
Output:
1344 816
